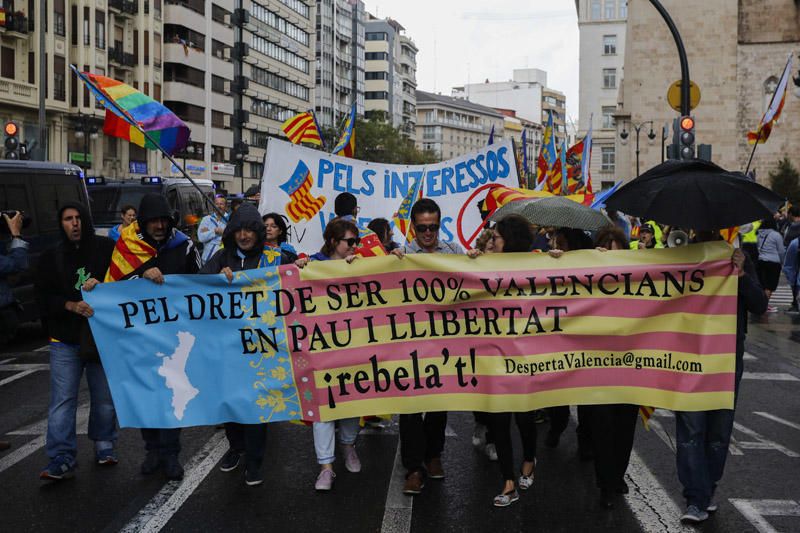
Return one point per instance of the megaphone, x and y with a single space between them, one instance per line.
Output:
677 238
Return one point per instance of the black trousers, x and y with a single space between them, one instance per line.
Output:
249 439
421 439
613 428
485 419
501 426
163 441
559 419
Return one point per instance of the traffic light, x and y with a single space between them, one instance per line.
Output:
686 138
12 142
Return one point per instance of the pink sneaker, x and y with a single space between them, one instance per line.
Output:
351 461
325 480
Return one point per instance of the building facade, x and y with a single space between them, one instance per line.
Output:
391 79
513 128
453 126
116 38
602 55
340 60
736 52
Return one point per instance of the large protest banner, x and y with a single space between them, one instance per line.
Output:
503 332
302 184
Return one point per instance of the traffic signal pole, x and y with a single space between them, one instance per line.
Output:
681 56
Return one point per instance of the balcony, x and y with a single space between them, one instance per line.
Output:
16 26
123 7
19 93
120 59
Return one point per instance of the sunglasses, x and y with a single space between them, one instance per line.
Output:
352 241
422 228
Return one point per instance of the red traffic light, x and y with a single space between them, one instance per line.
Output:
11 129
687 123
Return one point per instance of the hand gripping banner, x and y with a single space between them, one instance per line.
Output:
503 332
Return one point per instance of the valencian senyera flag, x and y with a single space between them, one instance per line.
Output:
775 107
130 113
131 251
302 204
428 332
402 217
548 154
578 161
556 176
302 128
346 147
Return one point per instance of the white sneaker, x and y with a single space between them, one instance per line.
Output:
479 436
694 515
491 452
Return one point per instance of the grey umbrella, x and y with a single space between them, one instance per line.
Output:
554 211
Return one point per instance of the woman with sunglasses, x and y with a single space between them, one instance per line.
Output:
341 240
513 234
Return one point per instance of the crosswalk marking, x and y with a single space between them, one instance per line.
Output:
781 296
770 376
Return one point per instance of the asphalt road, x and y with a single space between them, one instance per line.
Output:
760 490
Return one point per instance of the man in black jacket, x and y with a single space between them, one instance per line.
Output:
243 242
78 260
175 253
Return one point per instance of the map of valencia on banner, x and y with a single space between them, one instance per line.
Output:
503 332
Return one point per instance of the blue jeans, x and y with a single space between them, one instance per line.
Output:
66 369
324 441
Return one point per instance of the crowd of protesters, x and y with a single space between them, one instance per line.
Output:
245 240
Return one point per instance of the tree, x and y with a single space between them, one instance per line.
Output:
785 181
379 142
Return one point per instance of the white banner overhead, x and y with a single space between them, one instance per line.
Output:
302 184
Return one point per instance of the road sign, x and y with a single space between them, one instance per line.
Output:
674 95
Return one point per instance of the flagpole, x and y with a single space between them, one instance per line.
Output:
107 102
755 145
761 125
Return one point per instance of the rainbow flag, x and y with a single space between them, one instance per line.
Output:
402 218
775 107
302 204
346 147
131 113
302 128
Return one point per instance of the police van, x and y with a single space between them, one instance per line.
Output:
37 189
107 197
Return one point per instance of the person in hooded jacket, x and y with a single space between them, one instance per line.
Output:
172 253
245 247
79 260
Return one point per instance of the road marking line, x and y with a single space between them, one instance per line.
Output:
650 503
32 446
42 348
770 376
163 506
662 434
15 377
750 357
755 511
398 508
25 366
763 442
4 361
777 419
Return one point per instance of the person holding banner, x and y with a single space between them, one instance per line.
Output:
702 437
245 247
341 240
276 230
422 435
513 234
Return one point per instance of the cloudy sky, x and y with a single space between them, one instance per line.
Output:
471 40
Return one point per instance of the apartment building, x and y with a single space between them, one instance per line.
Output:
340 60
390 78
454 126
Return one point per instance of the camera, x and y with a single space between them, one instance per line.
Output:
26 220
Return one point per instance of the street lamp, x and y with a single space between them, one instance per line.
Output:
85 129
637 127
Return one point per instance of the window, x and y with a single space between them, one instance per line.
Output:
376 76
146 35
218 84
376 95
136 47
279 53
259 139
100 29
157 92
32 68
608 116
73 30
611 9
59 78
86 95
266 109
298 6
256 170
218 154
610 45
59 23
218 14
376 56
274 81
8 60
217 119
156 50
623 9
87 37
183 73
377 36
596 9
609 78
186 112
609 159
272 19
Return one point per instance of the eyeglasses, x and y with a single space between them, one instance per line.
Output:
352 241
422 228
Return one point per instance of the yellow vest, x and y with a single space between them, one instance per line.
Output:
752 235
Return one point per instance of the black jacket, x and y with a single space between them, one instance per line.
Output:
751 300
59 272
246 217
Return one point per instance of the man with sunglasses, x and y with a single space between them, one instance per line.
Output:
422 434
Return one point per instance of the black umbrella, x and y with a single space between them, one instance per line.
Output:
694 194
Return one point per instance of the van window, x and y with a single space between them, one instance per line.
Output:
51 192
